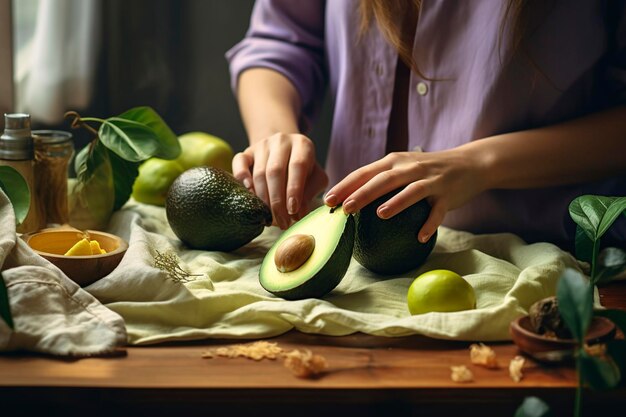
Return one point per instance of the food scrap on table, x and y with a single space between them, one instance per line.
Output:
515 368
256 351
461 374
303 364
483 355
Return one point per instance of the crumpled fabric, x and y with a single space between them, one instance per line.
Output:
51 313
225 300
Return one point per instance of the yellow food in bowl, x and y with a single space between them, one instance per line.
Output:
85 247
84 256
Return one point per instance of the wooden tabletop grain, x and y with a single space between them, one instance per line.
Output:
367 376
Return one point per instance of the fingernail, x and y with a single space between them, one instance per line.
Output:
331 200
348 206
424 238
383 212
247 183
292 206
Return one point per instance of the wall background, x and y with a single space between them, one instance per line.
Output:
169 54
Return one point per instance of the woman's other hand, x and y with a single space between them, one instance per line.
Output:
447 179
283 172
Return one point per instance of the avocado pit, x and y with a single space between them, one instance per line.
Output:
294 252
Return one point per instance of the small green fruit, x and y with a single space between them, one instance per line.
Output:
440 290
154 179
201 149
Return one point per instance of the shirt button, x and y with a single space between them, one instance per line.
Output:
379 70
370 132
422 88
417 149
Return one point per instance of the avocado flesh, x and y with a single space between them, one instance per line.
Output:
333 231
391 246
208 209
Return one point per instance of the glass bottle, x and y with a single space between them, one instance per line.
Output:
17 151
54 150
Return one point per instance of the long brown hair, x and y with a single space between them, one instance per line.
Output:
388 16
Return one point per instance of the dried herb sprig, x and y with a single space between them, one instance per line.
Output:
169 263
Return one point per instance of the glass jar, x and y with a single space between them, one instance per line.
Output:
54 150
16 151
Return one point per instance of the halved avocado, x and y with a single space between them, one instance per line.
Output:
333 231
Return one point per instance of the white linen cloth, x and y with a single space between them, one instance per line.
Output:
51 313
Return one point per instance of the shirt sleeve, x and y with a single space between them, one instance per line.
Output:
286 36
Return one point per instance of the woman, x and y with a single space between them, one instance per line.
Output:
497 112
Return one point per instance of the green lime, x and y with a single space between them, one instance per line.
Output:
440 290
154 180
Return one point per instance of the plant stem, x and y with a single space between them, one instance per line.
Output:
78 122
594 258
92 119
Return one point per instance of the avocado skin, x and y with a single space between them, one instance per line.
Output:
329 276
391 246
208 209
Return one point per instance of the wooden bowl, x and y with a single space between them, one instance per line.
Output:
84 270
551 349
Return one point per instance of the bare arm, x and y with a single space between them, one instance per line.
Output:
585 149
279 165
269 103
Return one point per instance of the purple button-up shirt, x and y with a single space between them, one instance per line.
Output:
476 86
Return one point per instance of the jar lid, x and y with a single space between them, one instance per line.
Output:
16 142
49 137
16 121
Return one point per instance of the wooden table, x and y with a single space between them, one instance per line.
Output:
368 376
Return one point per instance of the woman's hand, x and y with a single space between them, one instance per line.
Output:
283 172
447 179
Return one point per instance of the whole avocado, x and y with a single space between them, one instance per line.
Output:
391 246
207 208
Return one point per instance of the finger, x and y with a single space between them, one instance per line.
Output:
354 181
379 185
276 173
410 195
435 218
242 163
301 162
317 182
258 172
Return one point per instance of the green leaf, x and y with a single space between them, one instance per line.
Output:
600 373
124 174
126 140
131 140
138 134
584 246
5 307
616 316
80 161
16 189
611 262
533 407
575 299
169 145
595 214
